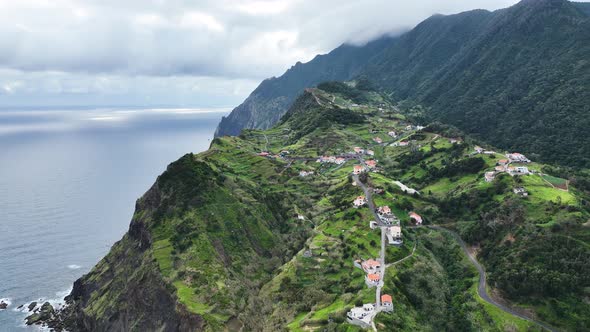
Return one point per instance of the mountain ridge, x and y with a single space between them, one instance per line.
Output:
486 73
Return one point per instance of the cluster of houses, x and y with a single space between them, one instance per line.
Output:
362 316
503 166
370 165
372 269
305 173
480 150
359 150
331 160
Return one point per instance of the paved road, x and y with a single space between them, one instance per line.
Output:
482 290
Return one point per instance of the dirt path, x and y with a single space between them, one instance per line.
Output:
482 289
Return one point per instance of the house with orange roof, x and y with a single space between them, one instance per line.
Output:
384 210
358 150
358 169
360 201
372 279
387 302
371 266
503 162
416 217
371 163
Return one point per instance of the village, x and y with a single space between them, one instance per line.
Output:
361 163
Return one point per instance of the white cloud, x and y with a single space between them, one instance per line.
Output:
113 47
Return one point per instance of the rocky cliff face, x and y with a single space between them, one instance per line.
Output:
125 291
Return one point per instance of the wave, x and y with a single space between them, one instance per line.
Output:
74 267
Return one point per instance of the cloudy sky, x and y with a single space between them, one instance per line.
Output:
181 52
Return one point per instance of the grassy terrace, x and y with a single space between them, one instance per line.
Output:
237 249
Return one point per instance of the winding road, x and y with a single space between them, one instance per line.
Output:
482 289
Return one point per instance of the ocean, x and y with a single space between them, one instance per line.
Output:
69 180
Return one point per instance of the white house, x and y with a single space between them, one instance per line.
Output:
518 158
387 302
360 201
305 173
394 235
392 134
371 266
489 176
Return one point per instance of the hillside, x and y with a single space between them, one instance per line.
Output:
515 78
271 99
260 233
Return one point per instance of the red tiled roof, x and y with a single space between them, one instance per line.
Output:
373 277
386 298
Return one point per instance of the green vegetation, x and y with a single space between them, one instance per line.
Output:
516 78
219 236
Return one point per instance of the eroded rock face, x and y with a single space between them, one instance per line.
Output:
45 314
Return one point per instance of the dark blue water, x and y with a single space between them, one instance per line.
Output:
68 185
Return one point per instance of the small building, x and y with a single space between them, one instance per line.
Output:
300 217
372 279
478 149
373 224
340 161
370 152
520 191
404 143
387 302
455 140
416 217
500 169
371 266
358 150
518 170
489 176
518 158
378 140
358 169
384 210
392 134
394 235
361 316
264 154
360 201
305 173
371 163
503 162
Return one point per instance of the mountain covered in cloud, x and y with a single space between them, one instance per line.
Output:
514 77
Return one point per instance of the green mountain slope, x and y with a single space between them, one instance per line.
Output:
234 239
516 78
271 99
